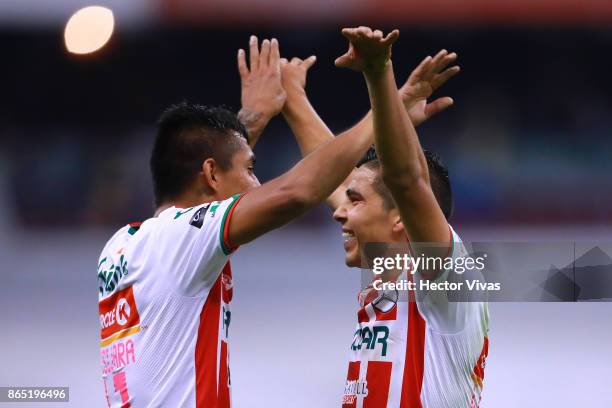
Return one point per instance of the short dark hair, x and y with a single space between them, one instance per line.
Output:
438 179
188 134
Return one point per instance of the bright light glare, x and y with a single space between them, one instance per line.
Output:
89 29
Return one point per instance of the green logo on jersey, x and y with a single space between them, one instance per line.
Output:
109 277
179 213
227 318
213 208
366 337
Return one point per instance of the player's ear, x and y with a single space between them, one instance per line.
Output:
210 175
398 226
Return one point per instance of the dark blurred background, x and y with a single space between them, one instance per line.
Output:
527 141
528 144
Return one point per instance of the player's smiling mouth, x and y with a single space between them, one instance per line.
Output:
347 234
349 239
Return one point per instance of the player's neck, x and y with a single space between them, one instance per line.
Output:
187 200
389 275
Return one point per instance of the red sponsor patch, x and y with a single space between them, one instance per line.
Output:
227 288
118 312
351 389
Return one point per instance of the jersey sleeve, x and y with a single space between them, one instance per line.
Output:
448 311
200 239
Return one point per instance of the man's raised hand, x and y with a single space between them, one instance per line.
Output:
423 81
369 51
262 93
293 74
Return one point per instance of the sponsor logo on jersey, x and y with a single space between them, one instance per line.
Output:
179 213
119 354
369 338
110 274
213 208
118 316
197 220
386 301
227 287
354 389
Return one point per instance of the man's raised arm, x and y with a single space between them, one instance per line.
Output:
403 166
307 184
262 94
304 186
309 129
311 132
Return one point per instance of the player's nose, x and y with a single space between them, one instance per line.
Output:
340 214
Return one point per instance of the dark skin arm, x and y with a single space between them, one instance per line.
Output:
307 184
403 165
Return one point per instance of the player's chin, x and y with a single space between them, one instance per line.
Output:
352 257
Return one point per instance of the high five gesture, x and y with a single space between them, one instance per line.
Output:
368 50
263 96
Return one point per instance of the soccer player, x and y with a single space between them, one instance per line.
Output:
165 285
426 352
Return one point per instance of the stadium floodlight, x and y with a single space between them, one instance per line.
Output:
89 29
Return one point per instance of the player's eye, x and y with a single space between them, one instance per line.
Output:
355 198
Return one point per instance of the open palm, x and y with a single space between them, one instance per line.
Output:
423 82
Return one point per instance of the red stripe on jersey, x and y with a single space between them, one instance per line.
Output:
224 392
206 349
350 398
478 375
415 356
390 315
362 316
378 379
451 241
120 386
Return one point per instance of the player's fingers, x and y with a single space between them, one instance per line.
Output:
349 33
391 37
343 61
253 53
296 61
439 57
378 35
274 52
309 62
420 71
449 58
364 31
434 66
283 62
440 79
264 56
243 70
443 64
445 61
438 106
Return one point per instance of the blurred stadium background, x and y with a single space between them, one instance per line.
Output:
528 145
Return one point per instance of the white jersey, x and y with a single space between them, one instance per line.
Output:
164 292
415 352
